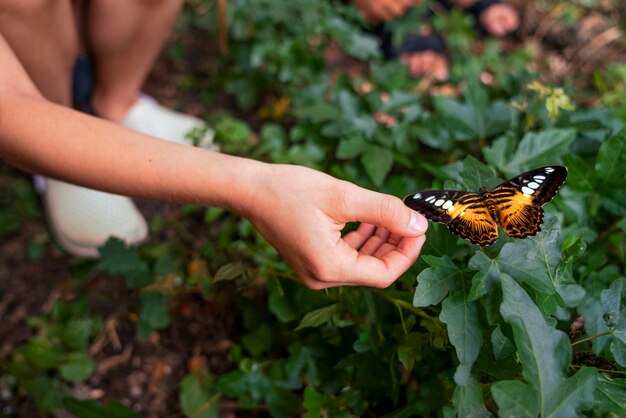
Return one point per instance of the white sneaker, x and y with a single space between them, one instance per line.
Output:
82 219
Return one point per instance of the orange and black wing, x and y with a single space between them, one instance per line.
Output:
465 214
518 201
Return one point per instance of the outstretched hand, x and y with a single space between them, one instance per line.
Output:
302 212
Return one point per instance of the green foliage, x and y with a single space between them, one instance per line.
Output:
485 329
56 357
18 202
198 396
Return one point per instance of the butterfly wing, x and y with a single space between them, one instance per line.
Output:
465 214
518 201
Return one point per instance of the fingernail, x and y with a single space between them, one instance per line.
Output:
417 222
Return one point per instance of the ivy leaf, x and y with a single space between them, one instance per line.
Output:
118 258
539 149
544 354
377 162
434 283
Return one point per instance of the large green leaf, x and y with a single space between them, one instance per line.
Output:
466 335
611 171
544 354
533 260
434 283
539 149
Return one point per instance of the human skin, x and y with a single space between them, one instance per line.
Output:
300 211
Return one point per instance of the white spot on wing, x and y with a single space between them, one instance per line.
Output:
417 196
447 205
533 185
430 199
439 202
527 191
549 170
539 178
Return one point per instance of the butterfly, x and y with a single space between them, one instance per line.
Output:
514 206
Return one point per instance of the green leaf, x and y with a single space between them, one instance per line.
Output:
259 340
41 353
313 403
502 347
486 278
229 271
610 397
464 330
434 283
516 399
539 149
77 367
580 175
198 396
351 147
500 151
476 174
77 332
318 317
465 334
611 162
377 162
535 259
117 258
544 354
481 117
48 393
153 313
611 168
615 315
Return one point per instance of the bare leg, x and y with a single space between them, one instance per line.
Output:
125 38
48 25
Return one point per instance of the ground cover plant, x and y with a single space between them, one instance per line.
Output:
206 320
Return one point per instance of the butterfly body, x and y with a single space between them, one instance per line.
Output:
514 206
